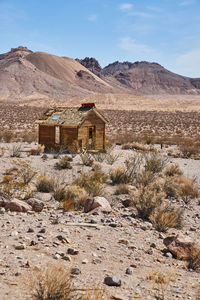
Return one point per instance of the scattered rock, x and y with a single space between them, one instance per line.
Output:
97 202
17 205
129 271
180 246
20 247
112 281
75 271
36 204
72 251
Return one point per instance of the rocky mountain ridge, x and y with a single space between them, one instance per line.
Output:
28 75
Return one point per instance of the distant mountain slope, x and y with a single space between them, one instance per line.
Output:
151 78
31 75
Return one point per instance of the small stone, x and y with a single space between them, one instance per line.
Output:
129 271
123 241
153 245
66 257
75 271
72 251
84 261
114 225
30 230
169 255
56 256
2 210
20 247
96 261
112 281
43 230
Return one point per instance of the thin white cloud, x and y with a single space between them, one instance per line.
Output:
187 2
188 63
154 8
139 14
92 18
126 6
131 45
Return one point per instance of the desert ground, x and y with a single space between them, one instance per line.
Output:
117 240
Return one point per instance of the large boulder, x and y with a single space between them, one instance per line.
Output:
3 201
180 246
36 204
17 205
97 204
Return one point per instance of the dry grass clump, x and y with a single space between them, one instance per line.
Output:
37 151
7 136
45 184
171 187
189 149
167 217
2 151
64 163
59 192
30 136
188 188
54 282
135 146
86 158
194 259
146 200
122 189
128 173
173 169
16 150
161 281
75 198
154 163
119 176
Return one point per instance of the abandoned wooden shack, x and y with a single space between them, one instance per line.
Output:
82 126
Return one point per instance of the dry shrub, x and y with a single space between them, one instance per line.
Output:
25 171
59 192
171 188
144 178
135 146
45 184
30 136
86 158
54 282
194 259
15 150
7 136
161 281
167 217
146 200
189 149
37 151
173 170
2 151
75 198
112 157
118 176
99 156
64 163
154 163
188 189
92 182
127 174
122 189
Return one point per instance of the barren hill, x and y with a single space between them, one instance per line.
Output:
27 75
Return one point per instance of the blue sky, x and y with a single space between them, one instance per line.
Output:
164 31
